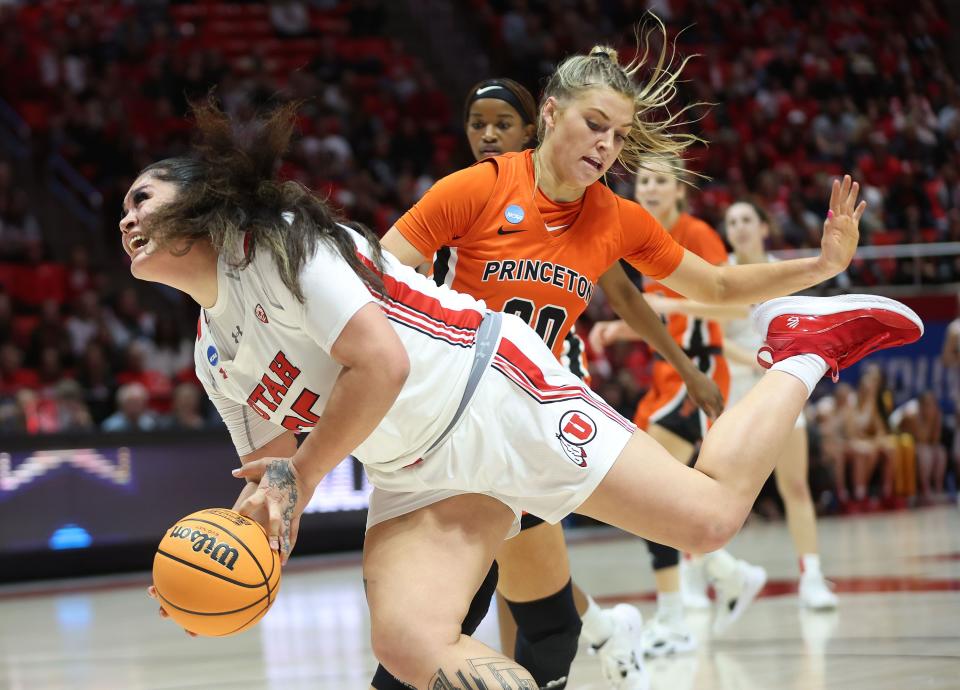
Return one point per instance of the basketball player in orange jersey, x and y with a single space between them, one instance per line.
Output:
462 417
499 116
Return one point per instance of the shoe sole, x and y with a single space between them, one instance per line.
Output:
764 313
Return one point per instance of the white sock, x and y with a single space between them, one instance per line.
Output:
597 628
810 563
719 564
669 606
808 368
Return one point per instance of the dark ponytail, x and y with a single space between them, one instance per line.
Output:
227 191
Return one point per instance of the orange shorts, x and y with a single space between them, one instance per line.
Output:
667 402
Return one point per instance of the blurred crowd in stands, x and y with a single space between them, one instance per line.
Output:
799 92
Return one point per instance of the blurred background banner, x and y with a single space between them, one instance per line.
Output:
113 496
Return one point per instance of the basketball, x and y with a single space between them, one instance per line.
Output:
215 573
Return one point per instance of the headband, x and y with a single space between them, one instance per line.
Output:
501 93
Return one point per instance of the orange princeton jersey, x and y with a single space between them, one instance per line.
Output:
698 237
523 253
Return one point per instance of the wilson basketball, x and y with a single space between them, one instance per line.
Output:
215 573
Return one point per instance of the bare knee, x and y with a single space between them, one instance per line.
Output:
714 526
794 490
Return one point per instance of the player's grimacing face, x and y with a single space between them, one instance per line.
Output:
745 229
589 132
495 127
145 195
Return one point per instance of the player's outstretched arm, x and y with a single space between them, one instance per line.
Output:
629 303
753 283
698 310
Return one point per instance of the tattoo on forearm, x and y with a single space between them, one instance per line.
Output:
279 476
489 673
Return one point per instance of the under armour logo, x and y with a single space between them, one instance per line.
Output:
223 373
236 336
793 322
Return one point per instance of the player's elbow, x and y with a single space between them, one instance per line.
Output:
395 368
716 288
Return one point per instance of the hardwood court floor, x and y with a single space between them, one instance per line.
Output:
898 626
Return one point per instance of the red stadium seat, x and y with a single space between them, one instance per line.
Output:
35 284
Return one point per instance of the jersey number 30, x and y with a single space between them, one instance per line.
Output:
549 320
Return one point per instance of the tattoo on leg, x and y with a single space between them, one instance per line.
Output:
489 673
280 476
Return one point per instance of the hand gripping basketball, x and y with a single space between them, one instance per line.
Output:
841 231
281 494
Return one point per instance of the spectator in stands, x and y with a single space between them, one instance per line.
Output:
128 321
50 371
72 412
834 416
133 414
951 359
873 443
186 409
82 324
50 332
922 418
80 275
139 368
19 229
289 17
96 378
169 353
833 130
6 317
13 375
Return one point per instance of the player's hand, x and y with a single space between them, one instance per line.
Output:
704 392
280 497
841 229
604 333
248 490
152 593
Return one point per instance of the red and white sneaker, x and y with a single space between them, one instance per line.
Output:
842 329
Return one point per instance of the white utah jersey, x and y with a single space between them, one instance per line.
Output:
264 358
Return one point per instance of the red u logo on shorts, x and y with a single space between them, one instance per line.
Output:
577 428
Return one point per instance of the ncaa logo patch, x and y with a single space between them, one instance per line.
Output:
213 356
261 314
577 429
514 214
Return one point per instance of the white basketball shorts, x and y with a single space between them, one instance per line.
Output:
534 437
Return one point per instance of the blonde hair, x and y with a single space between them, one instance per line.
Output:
650 141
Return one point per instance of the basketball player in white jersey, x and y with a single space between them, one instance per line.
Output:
461 416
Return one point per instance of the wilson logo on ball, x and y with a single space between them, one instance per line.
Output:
221 552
